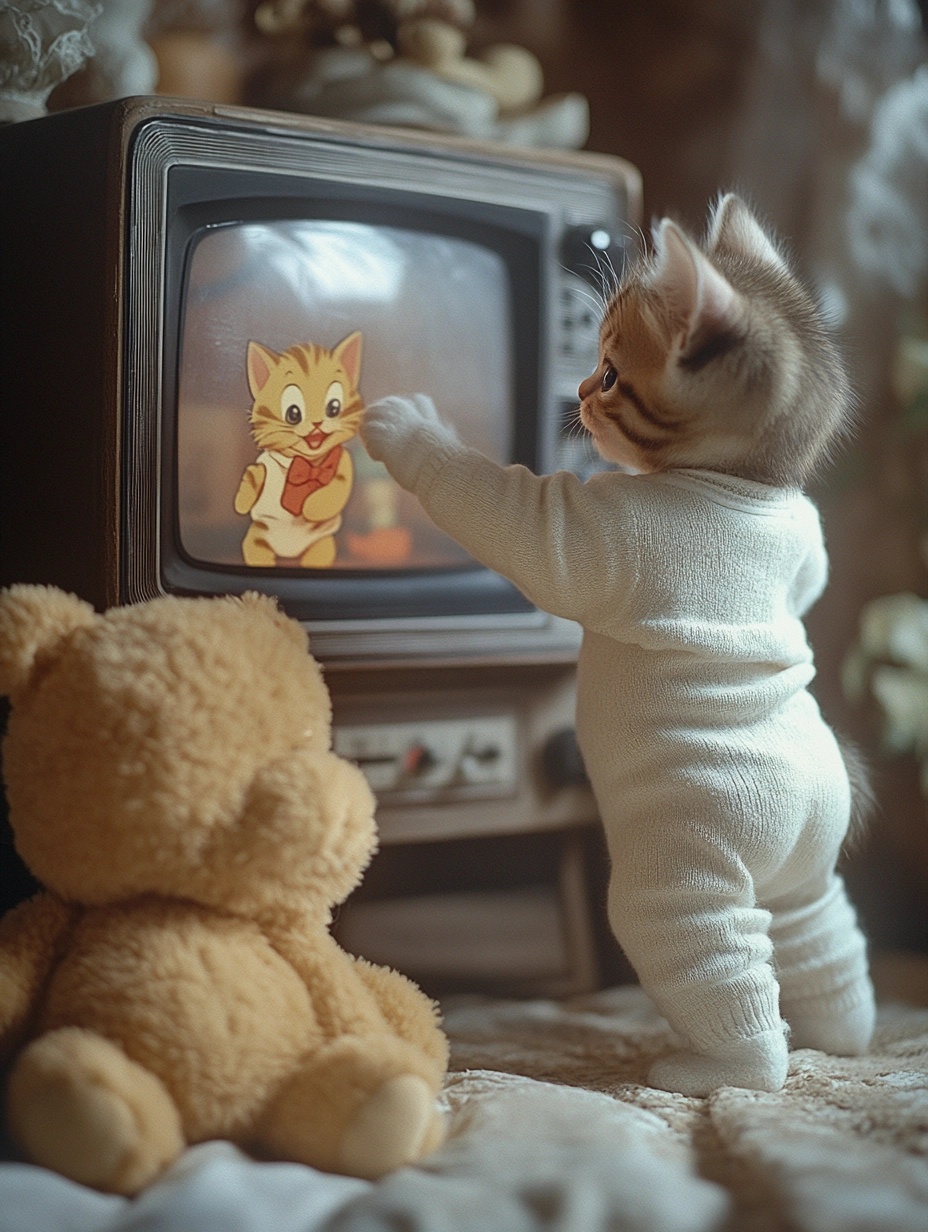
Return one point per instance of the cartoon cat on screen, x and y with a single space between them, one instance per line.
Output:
306 407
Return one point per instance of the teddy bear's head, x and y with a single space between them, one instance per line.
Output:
178 747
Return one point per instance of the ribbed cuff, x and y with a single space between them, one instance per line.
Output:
709 1015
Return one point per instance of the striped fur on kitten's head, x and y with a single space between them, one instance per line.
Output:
713 355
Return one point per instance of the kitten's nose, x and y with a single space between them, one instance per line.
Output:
587 386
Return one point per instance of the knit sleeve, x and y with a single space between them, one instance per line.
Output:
812 575
567 545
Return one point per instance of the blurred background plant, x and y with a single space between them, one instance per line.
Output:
886 672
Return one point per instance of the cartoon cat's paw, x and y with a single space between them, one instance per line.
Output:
404 434
758 1064
250 488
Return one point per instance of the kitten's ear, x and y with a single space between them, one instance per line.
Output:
700 298
348 354
261 362
734 228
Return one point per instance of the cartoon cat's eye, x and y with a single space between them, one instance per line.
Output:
292 405
610 376
334 400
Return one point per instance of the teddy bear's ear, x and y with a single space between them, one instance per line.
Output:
293 629
35 622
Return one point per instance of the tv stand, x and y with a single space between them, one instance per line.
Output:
481 883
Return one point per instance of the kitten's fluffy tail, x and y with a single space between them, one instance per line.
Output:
863 799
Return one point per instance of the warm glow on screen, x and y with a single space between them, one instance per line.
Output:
281 317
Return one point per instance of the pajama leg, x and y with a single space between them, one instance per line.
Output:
820 957
687 920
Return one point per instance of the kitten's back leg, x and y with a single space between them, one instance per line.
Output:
821 962
687 919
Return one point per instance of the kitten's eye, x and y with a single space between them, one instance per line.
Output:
292 406
610 376
334 400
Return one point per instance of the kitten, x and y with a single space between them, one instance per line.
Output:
724 795
306 406
715 356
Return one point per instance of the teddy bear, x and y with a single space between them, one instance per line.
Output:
171 785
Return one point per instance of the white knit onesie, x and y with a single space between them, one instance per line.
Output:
723 793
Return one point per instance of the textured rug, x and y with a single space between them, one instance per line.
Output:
553 1130
552 1127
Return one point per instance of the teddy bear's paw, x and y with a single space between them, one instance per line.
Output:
393 1127
79 1105
436 1134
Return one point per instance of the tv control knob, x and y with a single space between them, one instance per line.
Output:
417 760
562 760
594 254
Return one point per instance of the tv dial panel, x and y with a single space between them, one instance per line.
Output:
438 759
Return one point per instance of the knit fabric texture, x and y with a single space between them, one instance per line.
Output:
723 792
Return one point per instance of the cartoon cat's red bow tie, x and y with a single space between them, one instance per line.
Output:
305 477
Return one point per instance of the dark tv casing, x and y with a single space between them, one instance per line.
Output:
98 209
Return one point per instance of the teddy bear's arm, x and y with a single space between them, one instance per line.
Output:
30 937
343 1004
353 997
411 1014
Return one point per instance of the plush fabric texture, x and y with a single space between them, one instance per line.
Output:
172 784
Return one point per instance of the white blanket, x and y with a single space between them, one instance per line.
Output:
553 1130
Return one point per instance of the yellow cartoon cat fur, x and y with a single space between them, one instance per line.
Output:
306 406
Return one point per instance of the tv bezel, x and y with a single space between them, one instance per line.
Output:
200 200
575 192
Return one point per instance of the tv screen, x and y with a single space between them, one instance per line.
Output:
424 310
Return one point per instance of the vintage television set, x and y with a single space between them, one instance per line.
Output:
148 247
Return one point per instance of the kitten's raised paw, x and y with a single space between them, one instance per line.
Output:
758 1064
